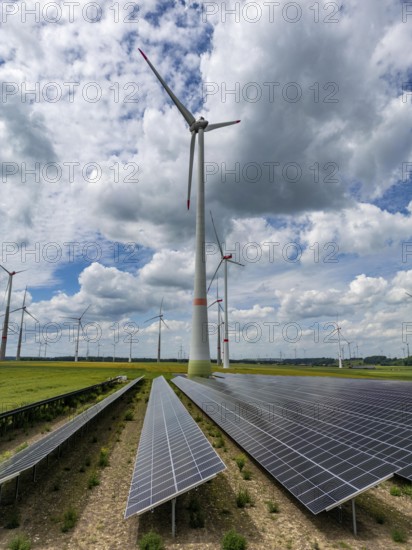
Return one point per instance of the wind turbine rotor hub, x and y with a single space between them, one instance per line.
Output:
198 124
227 257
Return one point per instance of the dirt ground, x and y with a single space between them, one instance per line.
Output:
100 525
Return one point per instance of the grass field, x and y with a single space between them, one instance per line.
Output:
22 382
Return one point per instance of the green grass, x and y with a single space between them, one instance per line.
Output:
395 491
25 382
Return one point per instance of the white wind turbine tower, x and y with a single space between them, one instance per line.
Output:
199 357
224 258
161 320
7 314
340 349
23 311
79 324
218 301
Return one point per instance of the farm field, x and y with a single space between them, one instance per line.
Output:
23 382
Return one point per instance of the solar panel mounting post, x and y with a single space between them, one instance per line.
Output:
174 518
355 531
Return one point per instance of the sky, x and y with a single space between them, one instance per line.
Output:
311 192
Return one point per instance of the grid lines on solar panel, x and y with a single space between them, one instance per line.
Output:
318 469
173 454
373 415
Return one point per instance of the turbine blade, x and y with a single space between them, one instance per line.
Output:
12 311
217 238
237 263
21 271
24 297
212 304
192 154
84 312
6 270
151 318
221 307
164 322
32 316
211 127
408 294
213 278
187 115
161 305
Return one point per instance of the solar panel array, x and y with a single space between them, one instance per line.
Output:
325 440
173 454
32 455
374 414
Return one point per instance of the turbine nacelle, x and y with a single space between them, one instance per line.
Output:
201 123
227 257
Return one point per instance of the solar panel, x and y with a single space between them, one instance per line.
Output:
173 454
320 468
32 455
374 415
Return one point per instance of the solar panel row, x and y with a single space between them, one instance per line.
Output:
32 455
319 467
373 415
173 454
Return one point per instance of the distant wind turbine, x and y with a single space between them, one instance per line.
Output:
7 314
224 258
218 301
23 311
199 358
79 324
161 320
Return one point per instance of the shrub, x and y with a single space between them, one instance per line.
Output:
13 520
240 461
395 491
198 418
21 542
273 507
70 518
151 541
219 443
399 535
129 415
233 541
93 481
104 457
243 498
246 474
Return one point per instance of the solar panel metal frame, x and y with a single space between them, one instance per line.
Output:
172 454
32 455
277 460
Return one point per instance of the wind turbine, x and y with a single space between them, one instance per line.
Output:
7 314
79 324
218 301
161 320
23 311
340 349
199 357
224 258
131 341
